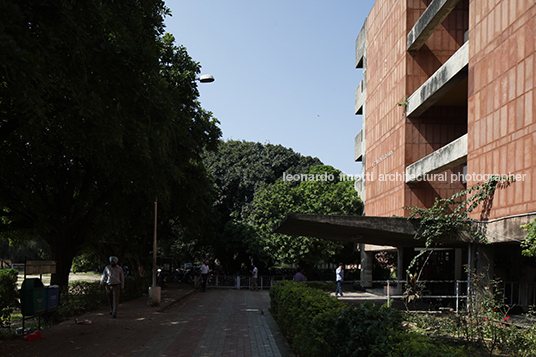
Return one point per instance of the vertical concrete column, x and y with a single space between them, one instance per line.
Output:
400 270
366 267
470 269
405 257
458 264
485 258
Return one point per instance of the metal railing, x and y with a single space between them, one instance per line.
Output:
512 293
456 290
515 293
238 281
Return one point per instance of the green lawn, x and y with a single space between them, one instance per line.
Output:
89 276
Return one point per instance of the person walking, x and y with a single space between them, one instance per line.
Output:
254 273
299 276
203 271
339 277
114 280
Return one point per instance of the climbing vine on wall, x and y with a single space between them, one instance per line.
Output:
529 244
448 217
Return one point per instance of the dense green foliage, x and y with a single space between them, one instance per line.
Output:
98 117
416 345
273 203
83 296
297 310
317 324
529 244
321 285
8 295
486 326
449 217
239 169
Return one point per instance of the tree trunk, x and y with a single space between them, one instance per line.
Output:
64 261
63 252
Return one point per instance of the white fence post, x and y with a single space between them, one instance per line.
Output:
457 295
388 292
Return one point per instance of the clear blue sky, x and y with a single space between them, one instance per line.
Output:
285 70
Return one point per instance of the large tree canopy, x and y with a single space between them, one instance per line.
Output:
239 169
321 192
98 111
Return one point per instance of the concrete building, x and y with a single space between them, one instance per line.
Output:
447 90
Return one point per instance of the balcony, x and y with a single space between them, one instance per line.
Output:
449 156
432 17
360 97
359 146
446 78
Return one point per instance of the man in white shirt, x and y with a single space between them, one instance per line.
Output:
114 280
339 277
204 270
254 273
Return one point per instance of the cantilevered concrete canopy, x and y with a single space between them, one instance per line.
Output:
391 231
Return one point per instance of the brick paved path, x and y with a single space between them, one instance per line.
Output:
215 323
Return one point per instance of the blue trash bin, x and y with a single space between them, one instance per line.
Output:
52 293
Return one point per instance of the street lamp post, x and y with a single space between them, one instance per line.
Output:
155 291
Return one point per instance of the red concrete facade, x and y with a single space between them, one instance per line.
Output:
386 86
494 106
501 125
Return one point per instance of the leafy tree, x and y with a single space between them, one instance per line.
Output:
98 114
529 244
239 169
315 196
15 252
446 218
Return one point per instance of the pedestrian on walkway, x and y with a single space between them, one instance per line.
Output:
203 271
339 277
114 281
254 273
299 276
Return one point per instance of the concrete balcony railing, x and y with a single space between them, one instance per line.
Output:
450 74
360 97
359 146
432 17
449 156
361 47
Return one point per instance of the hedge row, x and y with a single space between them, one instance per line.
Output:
317 324
84 296
8 295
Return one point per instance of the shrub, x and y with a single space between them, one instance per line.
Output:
79 297
83 296
8 295
414 345
358 331
295 306
317 324
329 286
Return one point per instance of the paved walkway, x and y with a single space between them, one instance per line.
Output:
188 323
